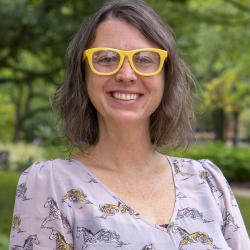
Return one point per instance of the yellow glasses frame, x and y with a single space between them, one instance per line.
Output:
123 53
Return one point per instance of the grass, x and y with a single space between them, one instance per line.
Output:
8 182
244 204
4 240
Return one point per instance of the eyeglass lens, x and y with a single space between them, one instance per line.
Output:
146 61
107 61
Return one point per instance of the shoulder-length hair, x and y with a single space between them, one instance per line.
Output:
170 124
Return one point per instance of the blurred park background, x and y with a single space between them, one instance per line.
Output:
213 37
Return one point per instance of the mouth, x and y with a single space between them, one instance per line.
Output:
125 96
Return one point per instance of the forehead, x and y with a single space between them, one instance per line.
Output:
118 34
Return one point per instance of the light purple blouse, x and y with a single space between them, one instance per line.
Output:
60 204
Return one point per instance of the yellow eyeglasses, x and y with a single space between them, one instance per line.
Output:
108 61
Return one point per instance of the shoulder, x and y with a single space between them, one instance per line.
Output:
198 166
46 179
203 168
44 168
56 173
38 203
204 171
59 166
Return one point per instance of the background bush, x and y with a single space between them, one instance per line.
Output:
22 154
234 162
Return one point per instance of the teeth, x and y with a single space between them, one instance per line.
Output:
123 96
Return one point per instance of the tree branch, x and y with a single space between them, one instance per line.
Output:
239 5
33 112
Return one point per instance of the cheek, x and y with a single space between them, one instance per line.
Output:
161 84
156 85
162 81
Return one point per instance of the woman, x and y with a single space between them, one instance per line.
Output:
126 91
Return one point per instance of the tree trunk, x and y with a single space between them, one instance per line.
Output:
22 101
236 128
17 101
219 124
17 131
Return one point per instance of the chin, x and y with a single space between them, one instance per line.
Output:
129 119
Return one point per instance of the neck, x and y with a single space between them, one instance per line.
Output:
123 149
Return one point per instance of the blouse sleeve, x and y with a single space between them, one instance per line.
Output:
233 226
39 218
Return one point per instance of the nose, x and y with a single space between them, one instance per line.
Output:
126 73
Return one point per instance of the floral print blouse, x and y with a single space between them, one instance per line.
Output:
60 204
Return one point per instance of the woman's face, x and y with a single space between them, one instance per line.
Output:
124 97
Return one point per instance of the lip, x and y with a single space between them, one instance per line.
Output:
125 92
115 101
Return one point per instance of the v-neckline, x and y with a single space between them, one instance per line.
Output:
116 197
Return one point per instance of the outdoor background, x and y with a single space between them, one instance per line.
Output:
213 37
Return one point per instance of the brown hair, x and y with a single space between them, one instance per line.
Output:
170 124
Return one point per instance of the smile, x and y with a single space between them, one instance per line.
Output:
125 96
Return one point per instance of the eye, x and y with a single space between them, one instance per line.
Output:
144 60
106 60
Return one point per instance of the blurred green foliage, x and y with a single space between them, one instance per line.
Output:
212 37
245 121
22 155
34 38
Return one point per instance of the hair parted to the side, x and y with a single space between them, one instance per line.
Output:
170 124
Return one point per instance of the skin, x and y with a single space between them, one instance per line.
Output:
124 123
124 158
126 80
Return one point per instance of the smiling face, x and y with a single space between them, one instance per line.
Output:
124 97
